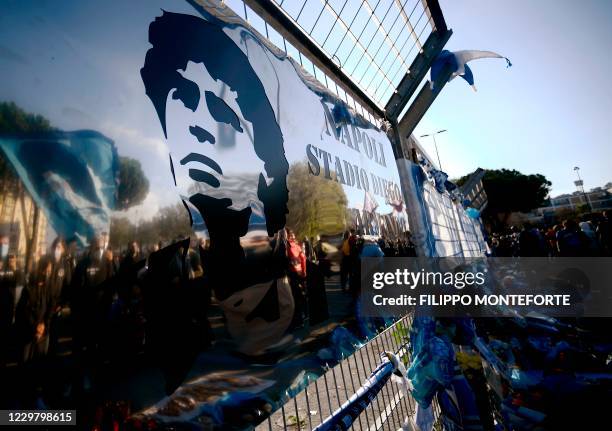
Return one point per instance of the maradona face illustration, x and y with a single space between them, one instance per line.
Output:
228 163
226 148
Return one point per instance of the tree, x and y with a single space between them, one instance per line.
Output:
13 119
133 184
169 223
317 206
509 190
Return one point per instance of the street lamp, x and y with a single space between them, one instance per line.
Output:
433 135
580 186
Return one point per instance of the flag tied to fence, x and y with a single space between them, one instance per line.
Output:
343 418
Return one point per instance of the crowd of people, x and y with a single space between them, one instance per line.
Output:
590 235
76 314
66 294
355 246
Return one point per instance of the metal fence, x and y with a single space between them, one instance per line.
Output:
455 234
325 395
373 42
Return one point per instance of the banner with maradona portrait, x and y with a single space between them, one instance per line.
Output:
180 130
256 143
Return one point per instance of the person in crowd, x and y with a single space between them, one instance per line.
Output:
356 242
104 240
12 281
125 330
604 233
90 302
410 247
71 256
494 245
308 250
571 241
132 256
54 272
194 261
4 246
322 256
529 242
345 263
590 237
506 246
382 243
297 278
550 236
170 327
33 320
371 249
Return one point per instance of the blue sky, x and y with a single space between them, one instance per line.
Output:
546 114
550 112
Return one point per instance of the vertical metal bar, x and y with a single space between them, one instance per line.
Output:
349 26
371 370
334 24
372 358
394 390
274 15
408 399
379 342
372 367
365 411
331 410
385 37
397 56
301 10
355 389
412 47
386 387
388 339
297 413
405 400
336 385
321 417
357 42
284 419
371 404
318 18
401 412
308 404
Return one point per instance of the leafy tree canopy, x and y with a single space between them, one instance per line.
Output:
133 184
167 224
509 190
317 206
13 119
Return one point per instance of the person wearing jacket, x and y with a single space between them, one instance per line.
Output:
297 278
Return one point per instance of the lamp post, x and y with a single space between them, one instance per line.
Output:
433 135
580 186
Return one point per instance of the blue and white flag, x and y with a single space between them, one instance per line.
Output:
343 417
72 176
